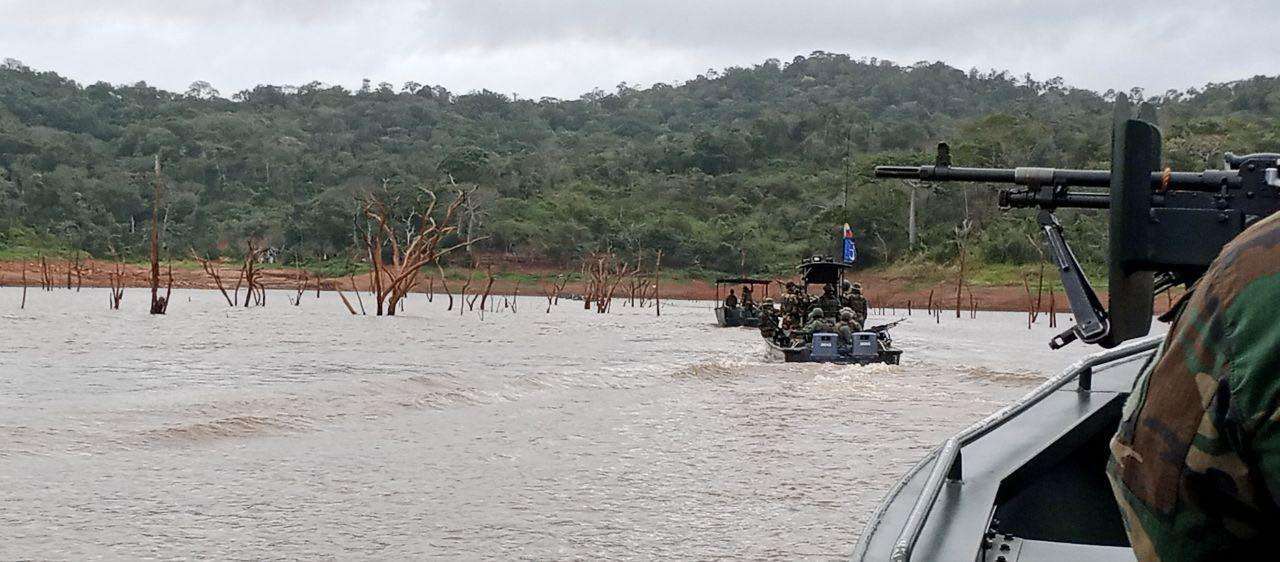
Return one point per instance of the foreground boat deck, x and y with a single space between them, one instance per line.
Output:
1029 485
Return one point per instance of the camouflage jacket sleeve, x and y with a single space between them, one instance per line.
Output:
1196 462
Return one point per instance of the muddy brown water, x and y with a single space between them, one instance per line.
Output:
303 432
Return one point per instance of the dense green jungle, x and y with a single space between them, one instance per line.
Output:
739 169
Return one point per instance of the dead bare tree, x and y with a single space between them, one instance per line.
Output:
158 306
211 269
346 302
588 288
255 293
356 289
1031 303
117 286
624 272
79 263
395 278
962 245
488 286
462 296
561 282
168 289
302 288
551 290
657 270
636 283
606 273
444 284
515 298
1053 309
116 279
46 282
548 291
23 306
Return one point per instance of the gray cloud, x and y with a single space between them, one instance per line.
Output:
566 47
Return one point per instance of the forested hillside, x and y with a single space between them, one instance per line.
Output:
742 166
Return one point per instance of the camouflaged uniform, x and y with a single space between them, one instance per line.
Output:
847 326
1195 465
858 304
818 323
787 301
768 320
828 302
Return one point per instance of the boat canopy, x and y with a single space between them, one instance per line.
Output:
742 281
821 271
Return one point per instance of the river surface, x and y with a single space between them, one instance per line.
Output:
304 432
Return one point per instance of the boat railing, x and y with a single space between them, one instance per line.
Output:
948 466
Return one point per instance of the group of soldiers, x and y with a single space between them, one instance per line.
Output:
800 315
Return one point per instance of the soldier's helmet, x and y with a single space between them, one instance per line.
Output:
857 288
846 314
816 313
844 284
768 301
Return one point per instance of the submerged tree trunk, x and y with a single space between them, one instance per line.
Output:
657 270
444 283
158 305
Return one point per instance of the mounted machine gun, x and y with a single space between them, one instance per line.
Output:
1166 227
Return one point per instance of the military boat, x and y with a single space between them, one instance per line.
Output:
742 314
872 345
1029 482
869 346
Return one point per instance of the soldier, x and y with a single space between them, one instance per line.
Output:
818 323
793 305
1195 465
768 320
748 302
858 303
829 302
731 301
847 326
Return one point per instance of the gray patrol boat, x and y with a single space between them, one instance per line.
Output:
1029 482
872 345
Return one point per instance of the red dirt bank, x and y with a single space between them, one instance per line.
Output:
882 289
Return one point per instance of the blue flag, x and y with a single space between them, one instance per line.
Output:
850 250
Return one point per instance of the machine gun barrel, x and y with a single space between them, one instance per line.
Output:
885 327
1020 198
1208 180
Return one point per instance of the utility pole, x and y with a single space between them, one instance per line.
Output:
911 215
848 162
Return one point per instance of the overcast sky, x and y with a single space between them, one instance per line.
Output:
564 48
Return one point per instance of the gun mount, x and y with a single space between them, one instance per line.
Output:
1166 227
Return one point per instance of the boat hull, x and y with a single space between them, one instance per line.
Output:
1027 483
737 317
805 354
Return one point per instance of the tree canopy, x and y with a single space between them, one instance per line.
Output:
743 168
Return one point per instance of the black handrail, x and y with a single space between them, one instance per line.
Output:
947 464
